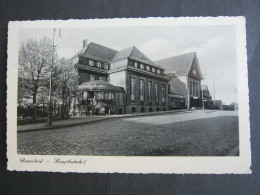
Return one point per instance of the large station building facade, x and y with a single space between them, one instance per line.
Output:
127 81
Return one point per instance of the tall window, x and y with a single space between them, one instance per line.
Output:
100 95
148 68
197 89
163 93
141 90
112 95
153 69
193 88
85 95
156 92
99 64
106 66
136 64
106 95
91 62
132 88
142 66
150 91
158 71
92 77
190 87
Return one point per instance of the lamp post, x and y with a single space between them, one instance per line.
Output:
50 88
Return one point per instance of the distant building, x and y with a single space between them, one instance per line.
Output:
119 82
186 77
218 105
207 98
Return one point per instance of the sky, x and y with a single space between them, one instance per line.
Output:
215 46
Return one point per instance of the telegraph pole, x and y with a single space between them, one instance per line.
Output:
214 90
202 99
188 92
203 77
50 88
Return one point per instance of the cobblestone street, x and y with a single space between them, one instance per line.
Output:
211 133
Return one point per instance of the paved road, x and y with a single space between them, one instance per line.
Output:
180 134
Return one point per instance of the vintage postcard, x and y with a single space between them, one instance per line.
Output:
146 95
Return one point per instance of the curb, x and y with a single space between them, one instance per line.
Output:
101 120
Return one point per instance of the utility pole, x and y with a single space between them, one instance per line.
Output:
203 77
235 97
50 88
188 93
202 99
214 90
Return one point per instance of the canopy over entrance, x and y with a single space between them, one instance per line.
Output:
99 85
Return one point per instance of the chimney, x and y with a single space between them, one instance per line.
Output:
85 42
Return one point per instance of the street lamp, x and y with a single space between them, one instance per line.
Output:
50 88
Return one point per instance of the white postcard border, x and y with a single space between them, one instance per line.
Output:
111 164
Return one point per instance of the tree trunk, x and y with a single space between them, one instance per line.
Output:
34 104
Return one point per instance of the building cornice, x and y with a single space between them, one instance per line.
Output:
147 73
90 68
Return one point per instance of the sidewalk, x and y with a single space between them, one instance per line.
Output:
85 120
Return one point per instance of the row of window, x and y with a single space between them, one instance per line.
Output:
148 68
150 109
136 65
176 100
194 88
98 64
149 87
100 95
93 77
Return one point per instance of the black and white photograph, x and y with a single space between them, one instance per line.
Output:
128 95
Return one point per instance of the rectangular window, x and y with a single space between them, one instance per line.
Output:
158 71
85 95
106 66
150 91
153 69
148 68
100 95
101 78
156 92
136 64
163 93
141 90
197 89
132 88
193 88
112 95
106 95
91 62
92 77
142 66
99 64
190 86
